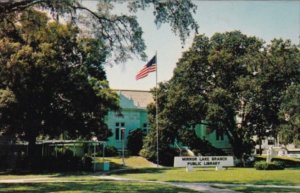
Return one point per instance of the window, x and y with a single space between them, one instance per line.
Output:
219 134
117 133
270 142
145 125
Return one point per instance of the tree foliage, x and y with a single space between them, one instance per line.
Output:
121 33
290 115
51 80
232 82
51 73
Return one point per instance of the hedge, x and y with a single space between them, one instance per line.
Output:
288 162
275 165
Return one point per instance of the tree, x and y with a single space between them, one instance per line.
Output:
52 81
289 114
273 70
166 132
231 82
205 82
120 33
51 74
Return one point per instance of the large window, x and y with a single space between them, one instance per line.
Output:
117 133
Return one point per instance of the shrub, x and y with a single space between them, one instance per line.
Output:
288 162
111 151
86 162
166 155
263 165
63 162
135 141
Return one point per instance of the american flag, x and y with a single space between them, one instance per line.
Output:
149 67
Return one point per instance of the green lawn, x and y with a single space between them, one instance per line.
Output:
232 175
63 176
130 162
91 186
261 190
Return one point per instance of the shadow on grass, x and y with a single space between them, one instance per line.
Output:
46 173
138 171
260 189
100 187
260 182
23 172
272 182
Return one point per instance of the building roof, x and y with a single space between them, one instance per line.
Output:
134 98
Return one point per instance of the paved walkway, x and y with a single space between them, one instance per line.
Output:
205 188
198 187
201 187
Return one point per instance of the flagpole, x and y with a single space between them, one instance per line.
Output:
156 117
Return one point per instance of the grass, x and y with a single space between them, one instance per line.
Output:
18 176
130 162
91 186
260 189
139 168
64 176
232 175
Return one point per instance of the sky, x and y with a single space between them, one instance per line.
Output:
264 19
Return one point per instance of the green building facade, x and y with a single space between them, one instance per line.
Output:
134 116
217 138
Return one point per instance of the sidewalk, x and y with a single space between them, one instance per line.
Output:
205 188
201 187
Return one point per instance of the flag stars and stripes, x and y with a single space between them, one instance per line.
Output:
151 66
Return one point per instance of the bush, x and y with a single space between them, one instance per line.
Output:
263 165
63 162
135 141
166 157
288 162
111 151
86 162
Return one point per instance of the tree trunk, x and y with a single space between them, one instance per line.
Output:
31 150
31 146
259 147
236 144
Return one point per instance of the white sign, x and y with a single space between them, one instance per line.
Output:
204 161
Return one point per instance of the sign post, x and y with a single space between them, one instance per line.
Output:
123 144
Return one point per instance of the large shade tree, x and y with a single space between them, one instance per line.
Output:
51 71
234 84
52 81
272 71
